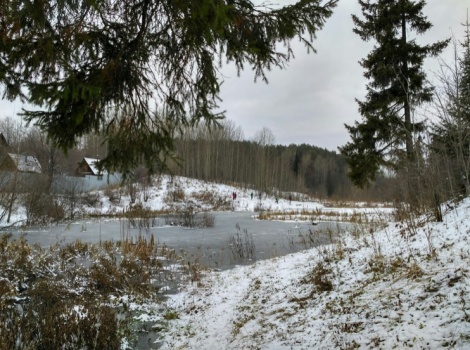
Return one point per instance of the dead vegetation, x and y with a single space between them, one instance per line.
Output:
78 296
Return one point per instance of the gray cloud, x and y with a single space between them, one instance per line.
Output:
312 99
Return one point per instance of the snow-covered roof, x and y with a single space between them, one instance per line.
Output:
91 162
25 163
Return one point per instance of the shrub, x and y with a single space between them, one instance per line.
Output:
56 318
139 216
175 195
105 277
42 207
242 246
320 277
35 205
114 193
60 297
188 217
91 199
207 220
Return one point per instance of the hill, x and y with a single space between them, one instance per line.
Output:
404 286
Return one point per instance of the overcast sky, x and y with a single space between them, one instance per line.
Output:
311 100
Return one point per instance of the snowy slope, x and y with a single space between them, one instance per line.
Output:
202 196
201 193
394 289
400 287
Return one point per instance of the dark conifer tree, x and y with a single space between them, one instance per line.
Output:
139 69
451 135
465 63
397 84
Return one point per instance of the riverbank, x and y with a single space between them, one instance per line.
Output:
406 286
170 194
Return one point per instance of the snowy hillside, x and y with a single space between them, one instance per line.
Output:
167 193
402 287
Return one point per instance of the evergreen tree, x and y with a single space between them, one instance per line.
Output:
138 69
451 135
465 64
384 137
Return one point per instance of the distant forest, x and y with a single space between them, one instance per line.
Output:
222 155
219 154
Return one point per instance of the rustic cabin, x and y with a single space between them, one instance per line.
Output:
92 178
20 162
88 167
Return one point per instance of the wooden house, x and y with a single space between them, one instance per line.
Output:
20 162
88 167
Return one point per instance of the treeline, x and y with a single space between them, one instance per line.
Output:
218 154
223 155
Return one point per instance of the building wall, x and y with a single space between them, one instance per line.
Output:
24 180
86 183
61 183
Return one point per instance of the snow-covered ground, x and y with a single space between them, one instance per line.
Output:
205 195
401 287
405 286
167 193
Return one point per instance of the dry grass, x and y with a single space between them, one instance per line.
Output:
59 297
316 215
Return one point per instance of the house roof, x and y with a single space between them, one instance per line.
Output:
25 163
91 162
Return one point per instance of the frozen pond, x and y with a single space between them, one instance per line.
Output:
212 247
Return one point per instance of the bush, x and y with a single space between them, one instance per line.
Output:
188 217
55 318
41 208
60 297
91 199
105 277
207 220
242 246
139 216
175 195
320 277
113 192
